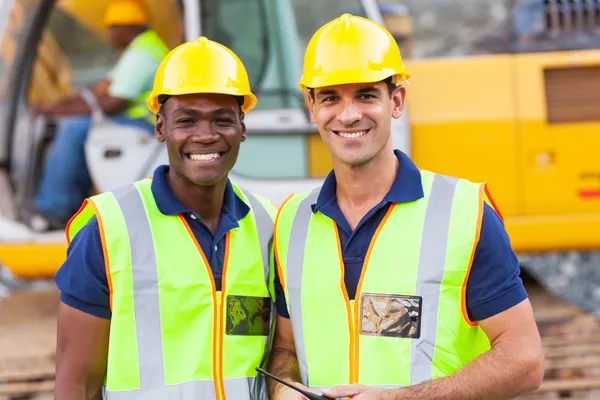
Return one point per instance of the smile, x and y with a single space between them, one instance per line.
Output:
203 157
352 135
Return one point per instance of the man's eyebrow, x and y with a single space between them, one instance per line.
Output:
368 90
215 112
327 92
188 111
223 111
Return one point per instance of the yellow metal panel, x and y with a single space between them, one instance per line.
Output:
560 164
460 90
554 233
319 159
559 161
32 260
481 151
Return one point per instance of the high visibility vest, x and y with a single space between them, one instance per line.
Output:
172 334
150 43
408 322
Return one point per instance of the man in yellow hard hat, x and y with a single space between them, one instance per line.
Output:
122 95
165 289
392 282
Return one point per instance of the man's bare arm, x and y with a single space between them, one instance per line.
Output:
514 365
76 105
284 363
81 354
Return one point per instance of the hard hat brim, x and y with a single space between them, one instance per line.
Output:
250 99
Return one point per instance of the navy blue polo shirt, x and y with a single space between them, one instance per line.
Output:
494 283
82 277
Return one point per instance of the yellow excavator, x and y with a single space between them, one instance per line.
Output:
503 91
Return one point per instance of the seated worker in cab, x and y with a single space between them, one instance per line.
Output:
65 181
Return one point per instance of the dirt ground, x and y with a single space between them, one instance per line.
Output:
28 336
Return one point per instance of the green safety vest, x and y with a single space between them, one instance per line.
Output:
172 335
150 43
408 323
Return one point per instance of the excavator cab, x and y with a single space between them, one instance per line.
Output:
53 48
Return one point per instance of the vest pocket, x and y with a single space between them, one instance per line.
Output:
248 315
390 315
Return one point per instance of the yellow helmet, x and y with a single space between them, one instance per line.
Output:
351 49
201 66
124 12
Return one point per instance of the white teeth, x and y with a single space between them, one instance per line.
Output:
352 135
202 157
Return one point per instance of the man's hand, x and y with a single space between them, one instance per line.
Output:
356 391
291 394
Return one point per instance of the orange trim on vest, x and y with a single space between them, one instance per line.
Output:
104 252
216 311
277 259
492 202
463 289
68 227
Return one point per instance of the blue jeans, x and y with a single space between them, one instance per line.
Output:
66 182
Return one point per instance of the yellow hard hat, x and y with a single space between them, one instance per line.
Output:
124 12
351 49
201 66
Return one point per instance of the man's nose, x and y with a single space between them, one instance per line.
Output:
205 133
349 114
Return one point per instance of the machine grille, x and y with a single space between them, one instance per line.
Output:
572 94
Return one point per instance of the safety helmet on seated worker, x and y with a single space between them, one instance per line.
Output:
201 66
351 49
125 12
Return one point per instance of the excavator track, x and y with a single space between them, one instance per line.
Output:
571 338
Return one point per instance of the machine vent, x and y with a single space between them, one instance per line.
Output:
572 94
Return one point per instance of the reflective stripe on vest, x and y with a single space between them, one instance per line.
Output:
137 366
438 217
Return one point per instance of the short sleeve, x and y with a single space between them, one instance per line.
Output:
494 283
82 277
133 74
280 302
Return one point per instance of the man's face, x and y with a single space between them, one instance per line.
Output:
355 120
119 36
203 133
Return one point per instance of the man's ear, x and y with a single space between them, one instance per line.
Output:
310 102
159 128
243 131
398 96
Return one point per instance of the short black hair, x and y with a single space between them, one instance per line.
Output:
162 98
388 81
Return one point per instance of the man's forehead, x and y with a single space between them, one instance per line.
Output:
349 87
202 102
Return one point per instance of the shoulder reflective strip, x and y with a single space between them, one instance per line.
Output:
236 389
430 273
145 280
294 266
264 225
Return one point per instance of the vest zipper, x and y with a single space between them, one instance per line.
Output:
353 343
218 365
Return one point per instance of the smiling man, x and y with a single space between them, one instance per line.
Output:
165 290
392 282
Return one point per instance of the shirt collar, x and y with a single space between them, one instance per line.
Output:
166 202
406 187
